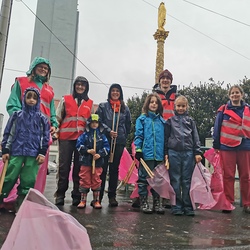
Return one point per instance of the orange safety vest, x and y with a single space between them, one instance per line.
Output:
47 94
168 106
75 119
236 128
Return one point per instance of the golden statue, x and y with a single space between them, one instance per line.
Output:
161 16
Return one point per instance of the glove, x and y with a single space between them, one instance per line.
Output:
138 156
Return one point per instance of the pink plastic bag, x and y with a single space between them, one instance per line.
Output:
125 162
135 194
217 184
161 183
39 224
200 191
13 193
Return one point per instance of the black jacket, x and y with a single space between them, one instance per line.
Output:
106 112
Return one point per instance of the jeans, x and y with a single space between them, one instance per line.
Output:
180 172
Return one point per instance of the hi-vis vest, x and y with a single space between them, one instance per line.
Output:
236 128
46 93
168 106
76 117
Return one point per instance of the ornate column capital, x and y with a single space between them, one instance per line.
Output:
160 35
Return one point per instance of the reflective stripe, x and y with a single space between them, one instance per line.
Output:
234 137
231 125
68 130
68 119
47 105
168 111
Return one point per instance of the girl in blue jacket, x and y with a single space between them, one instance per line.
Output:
25 143
149 143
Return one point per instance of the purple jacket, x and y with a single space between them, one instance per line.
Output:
27 131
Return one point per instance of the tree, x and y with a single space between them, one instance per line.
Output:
204 101
135 104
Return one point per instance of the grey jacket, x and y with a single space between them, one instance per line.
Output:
181 134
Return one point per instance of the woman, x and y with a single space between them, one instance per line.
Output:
232 141
72 114
38 77
111 113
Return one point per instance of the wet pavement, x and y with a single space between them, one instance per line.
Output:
123 227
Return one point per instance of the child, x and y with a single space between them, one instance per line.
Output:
25 143
88 153
149 144
182 149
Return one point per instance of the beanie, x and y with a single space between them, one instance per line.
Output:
166 73
94 117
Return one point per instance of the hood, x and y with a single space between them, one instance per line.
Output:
84 95
35 108
118 86
35 62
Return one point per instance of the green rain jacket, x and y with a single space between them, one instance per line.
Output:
14 102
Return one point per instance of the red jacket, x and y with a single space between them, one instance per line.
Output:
75 119
47 94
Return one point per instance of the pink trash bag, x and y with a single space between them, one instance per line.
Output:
39 224
200 191
9 202
161 183
221 202
125 163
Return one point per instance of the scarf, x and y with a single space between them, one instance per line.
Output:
115 105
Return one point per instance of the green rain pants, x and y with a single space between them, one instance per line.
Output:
25 167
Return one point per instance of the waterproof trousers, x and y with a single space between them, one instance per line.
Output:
25 167
229 160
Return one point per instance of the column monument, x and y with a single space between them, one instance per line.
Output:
160 36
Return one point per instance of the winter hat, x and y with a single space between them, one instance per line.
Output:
84 95
118 86
94 117
166 73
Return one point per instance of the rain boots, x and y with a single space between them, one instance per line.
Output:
157 205
83 201
96 203
144 206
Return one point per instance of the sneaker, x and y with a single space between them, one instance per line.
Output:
113 202
177 212
189 213
59 201
226 211
246 209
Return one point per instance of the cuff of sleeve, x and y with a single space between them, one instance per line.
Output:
42 151
5 151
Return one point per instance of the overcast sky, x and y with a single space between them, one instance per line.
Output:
116 43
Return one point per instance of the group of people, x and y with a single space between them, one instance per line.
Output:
95 141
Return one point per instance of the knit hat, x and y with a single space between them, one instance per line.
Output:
118 86
166 73
94 117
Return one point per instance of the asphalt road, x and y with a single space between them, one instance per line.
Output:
123 227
